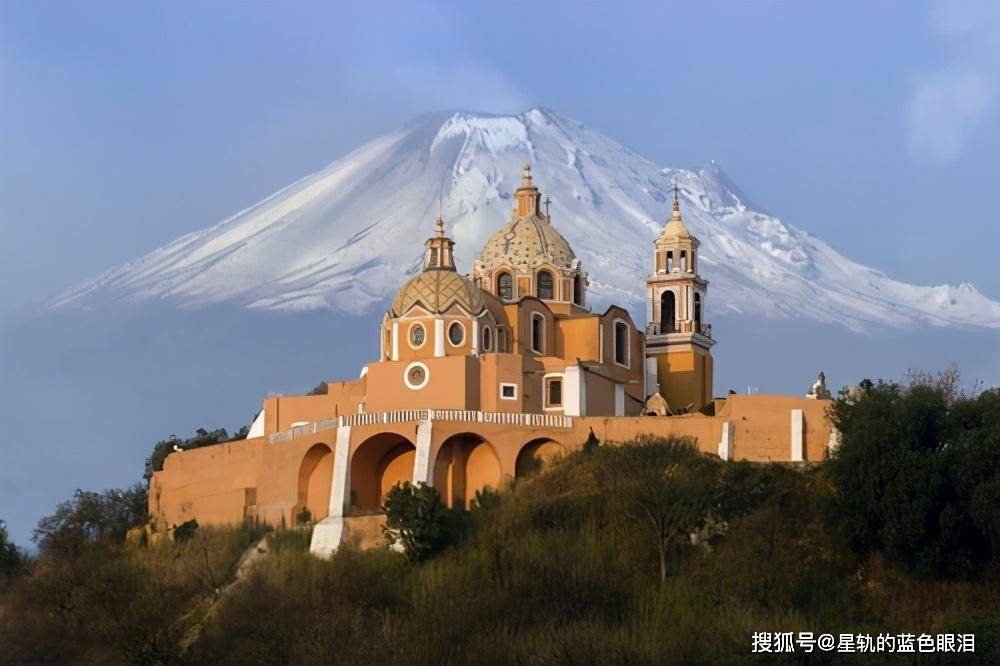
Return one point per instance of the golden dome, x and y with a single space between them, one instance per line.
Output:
675 226
528 239
524 243
436 290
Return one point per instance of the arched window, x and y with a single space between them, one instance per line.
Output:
668 312
487 338
505 286
684 261
697 312
670 261
578 290
545 285
621 343
538 333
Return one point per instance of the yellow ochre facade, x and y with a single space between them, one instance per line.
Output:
480 379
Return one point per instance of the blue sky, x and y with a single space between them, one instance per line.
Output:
874 125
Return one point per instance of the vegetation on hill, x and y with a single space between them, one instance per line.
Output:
650 552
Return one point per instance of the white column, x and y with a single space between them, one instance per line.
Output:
726 444
475 337
395 341
652 377
422 469
797 432
619 400
328 533
574 391
439 337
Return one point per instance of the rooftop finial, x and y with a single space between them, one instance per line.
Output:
526 176
440 226
677 200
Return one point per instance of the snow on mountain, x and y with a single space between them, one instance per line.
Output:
345 237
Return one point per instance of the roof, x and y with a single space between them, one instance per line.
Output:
437 290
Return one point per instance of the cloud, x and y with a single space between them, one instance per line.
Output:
949 103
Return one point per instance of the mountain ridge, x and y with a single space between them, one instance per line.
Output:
346 236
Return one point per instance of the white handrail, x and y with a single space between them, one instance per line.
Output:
416 415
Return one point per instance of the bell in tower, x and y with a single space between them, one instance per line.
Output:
678 341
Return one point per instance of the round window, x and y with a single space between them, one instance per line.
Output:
415 376
456 333
417 335
487 339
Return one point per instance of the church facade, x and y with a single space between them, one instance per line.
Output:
480 379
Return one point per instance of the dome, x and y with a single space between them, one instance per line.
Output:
437 290
525 242
675 225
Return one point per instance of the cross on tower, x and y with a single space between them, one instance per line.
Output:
676 190
547 202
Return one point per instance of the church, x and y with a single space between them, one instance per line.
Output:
480 379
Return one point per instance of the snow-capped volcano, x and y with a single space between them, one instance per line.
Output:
346 237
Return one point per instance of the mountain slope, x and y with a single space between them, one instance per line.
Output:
346 236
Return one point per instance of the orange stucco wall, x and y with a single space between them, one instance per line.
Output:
227 483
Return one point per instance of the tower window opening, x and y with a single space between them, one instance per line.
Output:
697 312
668 312
545 285
432 259
621 343
684 261
694 269
578 290
487 338
670 261
505 287
537 333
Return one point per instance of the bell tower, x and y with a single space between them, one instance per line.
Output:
678 341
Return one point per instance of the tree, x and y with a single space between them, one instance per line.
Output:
12 558
91 516
416 519
666 487
917 474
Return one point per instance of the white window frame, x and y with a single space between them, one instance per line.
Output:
447 333
504 385
406 376
545 392
628 343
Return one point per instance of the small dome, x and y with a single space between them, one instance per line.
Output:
524 243
436 291
675 225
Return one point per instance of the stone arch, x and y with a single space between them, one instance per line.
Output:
378 464
535 454
465 463
315 481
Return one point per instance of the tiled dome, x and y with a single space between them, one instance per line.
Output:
524 243
436 291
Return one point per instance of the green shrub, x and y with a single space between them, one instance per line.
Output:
416 520
917 475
